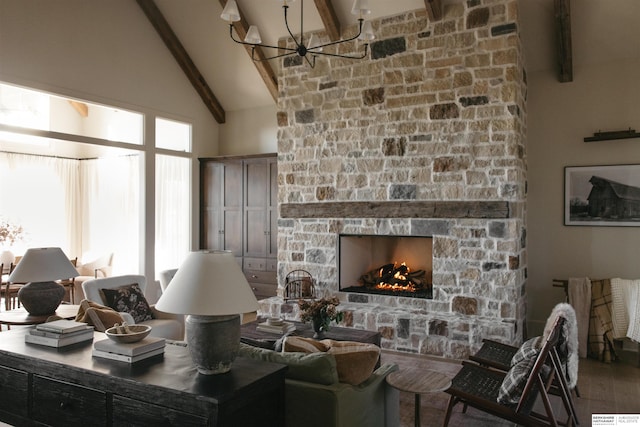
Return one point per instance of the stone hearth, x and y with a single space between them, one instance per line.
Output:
425 139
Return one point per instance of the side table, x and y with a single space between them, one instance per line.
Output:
22 317
418 381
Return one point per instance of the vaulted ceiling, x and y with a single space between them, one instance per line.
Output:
558 35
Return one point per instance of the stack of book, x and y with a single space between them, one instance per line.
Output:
129 352
276 328
60 333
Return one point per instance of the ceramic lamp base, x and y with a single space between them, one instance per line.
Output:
41 298
213 342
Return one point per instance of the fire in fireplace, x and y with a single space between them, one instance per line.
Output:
368 264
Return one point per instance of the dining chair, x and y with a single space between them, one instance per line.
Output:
69 284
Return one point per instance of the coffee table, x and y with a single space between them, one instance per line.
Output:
250 334
21 316
418 381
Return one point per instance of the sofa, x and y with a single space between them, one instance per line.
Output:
166 325
314 396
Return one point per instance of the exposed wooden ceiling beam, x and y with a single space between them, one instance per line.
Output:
563 36
262 65
182 57
434 9
329 19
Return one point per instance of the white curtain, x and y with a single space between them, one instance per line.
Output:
39 193
110 199
172 211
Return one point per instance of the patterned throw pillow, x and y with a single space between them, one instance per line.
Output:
128 299
521 366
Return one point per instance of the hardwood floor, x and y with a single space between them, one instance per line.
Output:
604 388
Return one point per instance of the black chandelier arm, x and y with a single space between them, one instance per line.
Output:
292 50
286 24
253 49
335 55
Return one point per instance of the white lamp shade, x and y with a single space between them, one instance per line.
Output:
43 265
230 12
360 7
253 35
208 283
367 33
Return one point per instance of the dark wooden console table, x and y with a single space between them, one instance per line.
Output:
67 386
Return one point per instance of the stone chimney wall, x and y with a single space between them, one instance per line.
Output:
427 138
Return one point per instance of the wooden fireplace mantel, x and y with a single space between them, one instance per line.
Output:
399 209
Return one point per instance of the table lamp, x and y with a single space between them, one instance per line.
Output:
211 289
38 268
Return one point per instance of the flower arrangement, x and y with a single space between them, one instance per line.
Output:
320 312
10 233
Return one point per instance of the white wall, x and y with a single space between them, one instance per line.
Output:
106 52
250 132
601 98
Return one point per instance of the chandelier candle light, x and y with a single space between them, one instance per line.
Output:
38 268
304 48
212 290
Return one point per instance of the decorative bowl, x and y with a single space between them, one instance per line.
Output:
138 332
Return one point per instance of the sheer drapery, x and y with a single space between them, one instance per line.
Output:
110 199
39 193
172 211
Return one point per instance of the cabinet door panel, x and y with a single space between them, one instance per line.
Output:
233 231
255 236
14 386
58 403
256 183
212 179
212 229
233 184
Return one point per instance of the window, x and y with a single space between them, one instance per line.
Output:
173 135
173 201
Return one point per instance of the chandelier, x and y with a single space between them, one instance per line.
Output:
305 48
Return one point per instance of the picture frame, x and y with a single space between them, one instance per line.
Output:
607 195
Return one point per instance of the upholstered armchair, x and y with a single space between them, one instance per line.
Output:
105 291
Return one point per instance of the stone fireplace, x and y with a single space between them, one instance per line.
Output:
427 138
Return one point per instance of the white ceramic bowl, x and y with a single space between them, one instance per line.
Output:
138 332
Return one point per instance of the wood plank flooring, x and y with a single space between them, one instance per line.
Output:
604 388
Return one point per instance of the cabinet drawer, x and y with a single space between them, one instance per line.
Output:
14 386
268 277
272 264
130 411
59 403
258 264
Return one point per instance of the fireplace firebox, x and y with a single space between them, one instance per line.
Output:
386 265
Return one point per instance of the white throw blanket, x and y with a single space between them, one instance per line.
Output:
579 293
625 308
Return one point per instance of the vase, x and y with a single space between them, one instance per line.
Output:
317 323
41 298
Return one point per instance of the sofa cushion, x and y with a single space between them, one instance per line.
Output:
128 299
303 345
355 361
319 368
